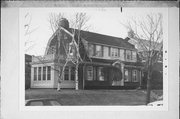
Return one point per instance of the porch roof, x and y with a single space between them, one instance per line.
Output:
111 61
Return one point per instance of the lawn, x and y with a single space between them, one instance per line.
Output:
90 97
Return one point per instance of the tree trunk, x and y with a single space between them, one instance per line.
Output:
76 79
59 83
148 96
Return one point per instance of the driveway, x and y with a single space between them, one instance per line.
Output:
90 97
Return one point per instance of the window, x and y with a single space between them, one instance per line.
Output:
109 51
39 73
90 73
126 76
134 55
100 74
44 73
128 55
114 52
91 50
66 73
105 51
99 51
134 75
121 54
35 73
72 73
49 73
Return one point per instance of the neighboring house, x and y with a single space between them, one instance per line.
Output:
107 62
28 60
157 74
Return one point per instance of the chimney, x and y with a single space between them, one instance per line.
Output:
64 23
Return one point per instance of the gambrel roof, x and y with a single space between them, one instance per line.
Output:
97 38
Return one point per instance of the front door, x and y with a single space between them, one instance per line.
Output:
69 78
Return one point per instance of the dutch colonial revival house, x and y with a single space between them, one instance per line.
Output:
107 62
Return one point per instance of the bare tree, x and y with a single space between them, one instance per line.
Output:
28 31
149 29
78 24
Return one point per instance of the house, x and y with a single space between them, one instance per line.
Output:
108 62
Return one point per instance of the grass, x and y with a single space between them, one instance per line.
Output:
90 97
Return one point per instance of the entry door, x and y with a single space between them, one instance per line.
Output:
69 78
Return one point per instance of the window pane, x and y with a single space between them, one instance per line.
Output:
126 77
49 73
128 55
90 73
72 73
121 54
98 52
133 55
100 74
91 50
44 73
66 73
39 73
35 73
114 52
134 75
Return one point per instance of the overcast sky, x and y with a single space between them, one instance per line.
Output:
102 20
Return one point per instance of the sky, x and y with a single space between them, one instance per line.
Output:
107 21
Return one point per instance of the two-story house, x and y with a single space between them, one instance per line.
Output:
108 62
